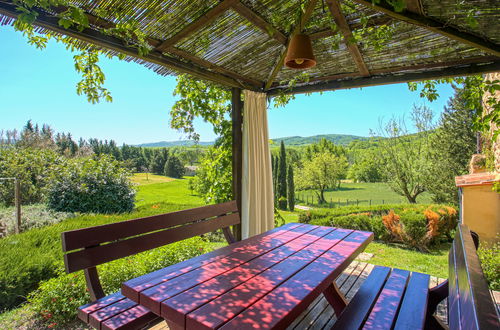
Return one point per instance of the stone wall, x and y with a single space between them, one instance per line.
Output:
496 145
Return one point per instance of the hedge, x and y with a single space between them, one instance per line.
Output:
417 226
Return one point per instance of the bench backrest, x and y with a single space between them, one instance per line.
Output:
89 247
470 305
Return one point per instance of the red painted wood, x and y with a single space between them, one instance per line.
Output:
80 238
176 308
85 310
109 311
132 288
230 304
354 315
153 296
133 318
384 312
413 309
335 298
285 302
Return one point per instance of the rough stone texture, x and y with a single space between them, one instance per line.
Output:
477 164
496 146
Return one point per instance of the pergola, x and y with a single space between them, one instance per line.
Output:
242 44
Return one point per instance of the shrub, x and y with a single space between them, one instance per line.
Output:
57 299
356 221
32 167
282 203
32 216
414 229
98 185
490 262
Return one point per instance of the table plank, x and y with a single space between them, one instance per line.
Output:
176 308
220 310
153 296
131 288
281 305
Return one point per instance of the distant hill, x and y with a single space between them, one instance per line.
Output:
340 139
180 143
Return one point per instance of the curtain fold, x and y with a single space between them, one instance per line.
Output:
257 203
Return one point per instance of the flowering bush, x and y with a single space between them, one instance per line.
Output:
56 300
89 185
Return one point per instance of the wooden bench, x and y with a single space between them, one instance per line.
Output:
86 248
403 300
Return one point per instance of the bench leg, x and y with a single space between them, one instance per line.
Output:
335 298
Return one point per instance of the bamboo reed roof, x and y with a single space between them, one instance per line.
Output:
242 43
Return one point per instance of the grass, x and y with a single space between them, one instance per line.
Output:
149 178
362 193
174 192
434 263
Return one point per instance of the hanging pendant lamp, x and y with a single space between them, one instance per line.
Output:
300 53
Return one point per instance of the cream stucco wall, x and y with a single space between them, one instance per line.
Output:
481 211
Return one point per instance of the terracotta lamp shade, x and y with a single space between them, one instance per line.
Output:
300 53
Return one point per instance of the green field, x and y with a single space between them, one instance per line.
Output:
174 191
358 193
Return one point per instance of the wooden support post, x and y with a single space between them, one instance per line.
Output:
237 136
17 194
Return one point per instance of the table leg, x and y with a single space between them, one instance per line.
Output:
335 298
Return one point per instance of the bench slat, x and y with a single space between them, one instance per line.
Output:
152 297
176 308
413 309
86 258
80 238
97 317
384 312
284 303
85 310
133 318
133 286
354 315
222 309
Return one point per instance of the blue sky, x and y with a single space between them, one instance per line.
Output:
40 85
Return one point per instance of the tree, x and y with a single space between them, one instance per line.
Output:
451 148
282 172
158 161
405 156
291 189
366 168
324 171
174 167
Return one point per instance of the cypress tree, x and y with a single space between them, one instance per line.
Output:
282 174
291 189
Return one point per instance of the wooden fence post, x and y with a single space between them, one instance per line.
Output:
17 194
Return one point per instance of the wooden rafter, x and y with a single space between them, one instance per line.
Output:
112 43
204 20
281 60
385 79
344 28
259 22
415 6
434 26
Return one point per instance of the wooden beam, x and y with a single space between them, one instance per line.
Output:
91 36
259 22
349 40
298 26
373 22
377 80
435 26
415 6
237 148
204 20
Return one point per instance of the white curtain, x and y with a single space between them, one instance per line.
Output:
257 200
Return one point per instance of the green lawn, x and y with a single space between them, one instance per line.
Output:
174 191
149 178
362 193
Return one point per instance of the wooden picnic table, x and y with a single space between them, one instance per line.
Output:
265 281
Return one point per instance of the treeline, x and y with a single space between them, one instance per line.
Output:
163 161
